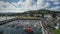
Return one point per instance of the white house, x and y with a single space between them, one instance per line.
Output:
47 15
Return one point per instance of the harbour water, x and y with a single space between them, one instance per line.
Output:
4 17
11 28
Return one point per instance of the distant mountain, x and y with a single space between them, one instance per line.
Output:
9 14
30 12
42 11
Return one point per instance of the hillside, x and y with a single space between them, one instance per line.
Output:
42 12
30 12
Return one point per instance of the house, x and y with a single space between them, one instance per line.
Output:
47 15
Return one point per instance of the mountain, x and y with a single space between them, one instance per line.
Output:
42 11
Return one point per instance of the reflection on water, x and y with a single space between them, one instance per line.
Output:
11 28
4 18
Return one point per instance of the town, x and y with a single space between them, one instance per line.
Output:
41 21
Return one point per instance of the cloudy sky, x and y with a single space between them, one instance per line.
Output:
19 6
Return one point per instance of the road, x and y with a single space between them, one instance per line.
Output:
43 32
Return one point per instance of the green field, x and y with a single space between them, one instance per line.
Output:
27 17
56 31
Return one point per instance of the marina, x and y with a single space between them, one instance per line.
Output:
11 28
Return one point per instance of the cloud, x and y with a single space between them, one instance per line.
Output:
47 5
57 5
27 5
54 1
57 8
6 7
21 6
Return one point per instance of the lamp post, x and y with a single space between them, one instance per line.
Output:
6 17
6 13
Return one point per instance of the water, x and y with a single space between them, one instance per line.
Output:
21 24
4 18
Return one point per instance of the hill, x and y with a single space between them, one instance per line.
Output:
31 12
42 12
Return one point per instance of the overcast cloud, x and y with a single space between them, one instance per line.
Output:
25 5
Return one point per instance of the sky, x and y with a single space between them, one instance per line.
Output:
20 6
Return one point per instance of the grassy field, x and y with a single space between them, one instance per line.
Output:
26 17
56 31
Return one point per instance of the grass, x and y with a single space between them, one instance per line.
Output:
56 31
26 17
